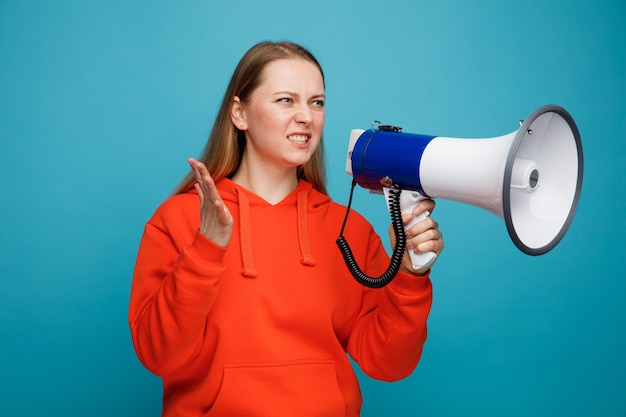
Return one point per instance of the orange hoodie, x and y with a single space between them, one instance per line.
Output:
262 327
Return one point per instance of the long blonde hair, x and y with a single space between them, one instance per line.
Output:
225 146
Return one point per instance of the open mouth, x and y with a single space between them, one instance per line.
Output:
300 139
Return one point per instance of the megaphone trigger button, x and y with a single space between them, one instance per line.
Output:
390 128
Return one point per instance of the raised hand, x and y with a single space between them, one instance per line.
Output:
216 221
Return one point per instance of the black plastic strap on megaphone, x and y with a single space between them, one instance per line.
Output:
398 251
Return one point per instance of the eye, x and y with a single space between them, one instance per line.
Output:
318 103
284 100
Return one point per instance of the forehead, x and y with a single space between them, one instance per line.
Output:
292 74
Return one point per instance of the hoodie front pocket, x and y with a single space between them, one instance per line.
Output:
280 389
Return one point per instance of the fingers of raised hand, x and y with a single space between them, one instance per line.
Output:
201 173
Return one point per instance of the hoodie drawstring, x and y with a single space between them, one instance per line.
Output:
303 229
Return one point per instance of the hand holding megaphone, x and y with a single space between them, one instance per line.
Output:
408 201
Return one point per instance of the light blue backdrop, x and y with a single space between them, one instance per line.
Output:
102 101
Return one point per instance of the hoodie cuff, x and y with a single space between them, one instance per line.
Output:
405 283
206 256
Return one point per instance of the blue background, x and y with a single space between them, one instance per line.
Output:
101 102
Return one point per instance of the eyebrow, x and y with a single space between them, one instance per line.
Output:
298 95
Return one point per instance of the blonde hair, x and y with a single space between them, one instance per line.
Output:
225 146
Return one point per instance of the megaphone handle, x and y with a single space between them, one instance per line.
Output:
408 200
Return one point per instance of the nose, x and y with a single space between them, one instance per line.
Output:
304 115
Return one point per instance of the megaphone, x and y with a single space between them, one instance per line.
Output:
530 178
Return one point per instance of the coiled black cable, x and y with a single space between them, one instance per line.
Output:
398 251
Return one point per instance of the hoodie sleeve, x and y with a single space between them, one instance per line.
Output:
174 287
390 331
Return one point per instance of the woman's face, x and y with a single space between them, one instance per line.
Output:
284 117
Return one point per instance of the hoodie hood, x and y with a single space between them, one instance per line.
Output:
303 198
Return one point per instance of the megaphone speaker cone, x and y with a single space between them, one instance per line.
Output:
538 215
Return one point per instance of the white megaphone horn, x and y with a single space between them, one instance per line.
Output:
530 178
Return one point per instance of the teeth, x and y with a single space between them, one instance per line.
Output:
298 138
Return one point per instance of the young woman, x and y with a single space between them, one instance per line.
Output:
241 300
